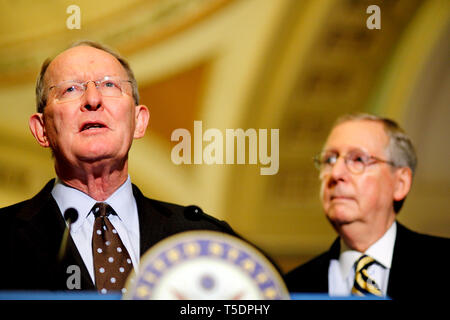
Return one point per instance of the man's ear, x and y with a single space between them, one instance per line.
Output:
37 128
403 183
142 118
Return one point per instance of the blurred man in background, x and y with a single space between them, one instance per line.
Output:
366 171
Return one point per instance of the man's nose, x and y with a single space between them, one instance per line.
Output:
339 171
93 98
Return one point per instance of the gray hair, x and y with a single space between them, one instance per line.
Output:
400 149
41 92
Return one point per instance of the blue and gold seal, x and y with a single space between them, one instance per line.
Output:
198 265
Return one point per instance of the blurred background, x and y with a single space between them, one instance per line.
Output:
293 65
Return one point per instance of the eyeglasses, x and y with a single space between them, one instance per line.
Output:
72 90
356 161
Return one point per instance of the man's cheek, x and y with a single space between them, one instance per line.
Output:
324 196
370 193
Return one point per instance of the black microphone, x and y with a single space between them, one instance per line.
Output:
193 212
70 216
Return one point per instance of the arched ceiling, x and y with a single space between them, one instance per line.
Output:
31 31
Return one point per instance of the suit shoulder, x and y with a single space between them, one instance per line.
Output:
22 209
182 218
14 209
310 267
435 240
311 277
415 239
194 216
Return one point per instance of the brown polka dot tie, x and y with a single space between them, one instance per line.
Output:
112 263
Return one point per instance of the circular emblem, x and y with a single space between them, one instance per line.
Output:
199 265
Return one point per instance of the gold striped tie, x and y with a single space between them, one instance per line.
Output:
363 284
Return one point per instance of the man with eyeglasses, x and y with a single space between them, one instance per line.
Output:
88 114
366 171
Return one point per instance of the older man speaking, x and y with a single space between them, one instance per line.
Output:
88 114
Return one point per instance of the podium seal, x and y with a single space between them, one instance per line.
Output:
199 265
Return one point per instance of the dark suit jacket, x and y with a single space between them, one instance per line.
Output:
31 233
417 268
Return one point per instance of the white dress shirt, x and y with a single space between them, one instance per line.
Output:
126 222
341 272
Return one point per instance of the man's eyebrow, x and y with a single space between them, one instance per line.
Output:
353 149
359 149
324 150
80 80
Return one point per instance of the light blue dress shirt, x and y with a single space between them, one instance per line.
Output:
126 222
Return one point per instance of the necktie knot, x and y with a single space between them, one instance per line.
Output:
364 284
363 263
102 209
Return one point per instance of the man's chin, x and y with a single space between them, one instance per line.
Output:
94 152
341 216
94 156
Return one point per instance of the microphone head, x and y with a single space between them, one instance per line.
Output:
193 212
71 215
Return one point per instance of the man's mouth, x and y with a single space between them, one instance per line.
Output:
92 125
341 198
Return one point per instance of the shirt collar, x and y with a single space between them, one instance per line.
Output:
121 201
381 251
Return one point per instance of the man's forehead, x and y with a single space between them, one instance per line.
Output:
83 63
366 135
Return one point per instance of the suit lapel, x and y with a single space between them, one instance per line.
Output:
73 257
152 228
333 253
46 229
398 275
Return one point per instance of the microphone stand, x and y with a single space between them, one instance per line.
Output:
70 215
